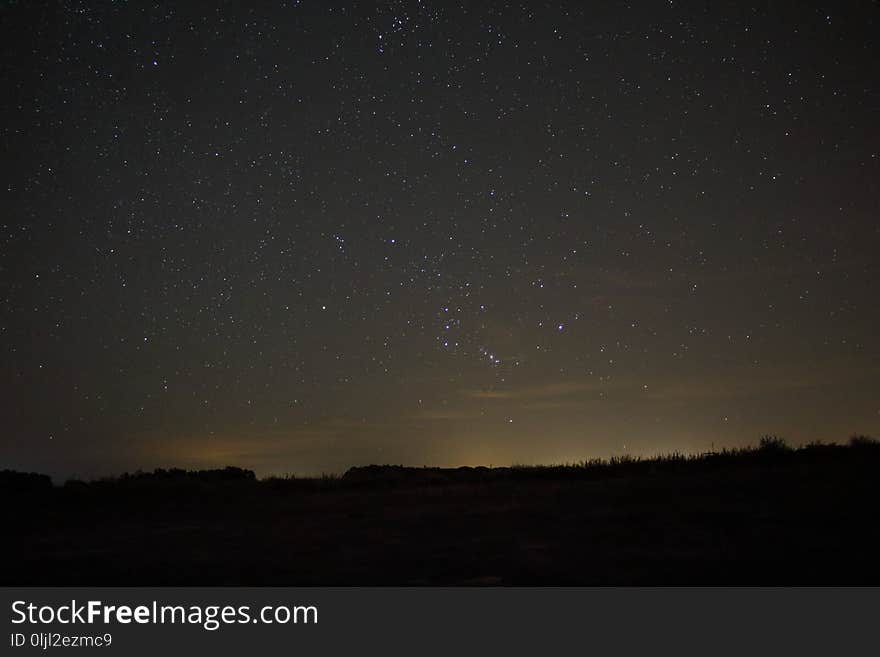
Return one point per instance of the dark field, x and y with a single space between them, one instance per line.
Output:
768 516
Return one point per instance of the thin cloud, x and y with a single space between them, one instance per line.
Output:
446 414
548 390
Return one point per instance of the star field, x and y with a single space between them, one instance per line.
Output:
303 236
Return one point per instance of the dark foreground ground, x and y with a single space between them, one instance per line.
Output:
768 516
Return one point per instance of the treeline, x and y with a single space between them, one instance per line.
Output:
771 451
171 476
11 480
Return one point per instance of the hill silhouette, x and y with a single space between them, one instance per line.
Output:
767 515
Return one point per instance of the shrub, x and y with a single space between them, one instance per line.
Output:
773 444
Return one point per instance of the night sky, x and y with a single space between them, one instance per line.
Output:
302 236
